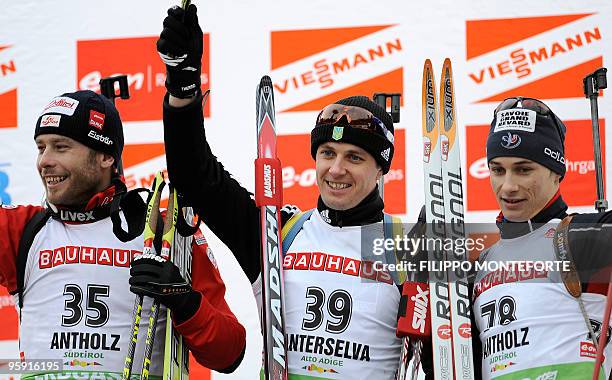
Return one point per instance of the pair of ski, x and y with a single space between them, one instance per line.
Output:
174 247
448 290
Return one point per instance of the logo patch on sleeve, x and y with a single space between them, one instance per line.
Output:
515 119
211 257
199 238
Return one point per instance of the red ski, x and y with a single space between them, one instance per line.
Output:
268 196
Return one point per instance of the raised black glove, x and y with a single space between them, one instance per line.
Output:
180 47
152 276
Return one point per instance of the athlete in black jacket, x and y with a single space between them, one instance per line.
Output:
348 167
525 152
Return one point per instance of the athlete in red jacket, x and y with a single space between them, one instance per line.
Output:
72 285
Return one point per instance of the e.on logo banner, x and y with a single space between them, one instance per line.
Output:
540 57
313 68
300 178
141 162
138 59
577 188
8 88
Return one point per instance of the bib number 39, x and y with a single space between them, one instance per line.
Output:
339 308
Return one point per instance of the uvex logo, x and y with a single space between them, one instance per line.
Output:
328 64
135 58
75 216
533 55
8 88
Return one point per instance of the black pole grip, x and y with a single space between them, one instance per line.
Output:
107 87
594 82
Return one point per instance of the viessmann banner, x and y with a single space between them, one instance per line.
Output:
543 57
316 53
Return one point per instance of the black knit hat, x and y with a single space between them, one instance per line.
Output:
534 135
86 117
379 145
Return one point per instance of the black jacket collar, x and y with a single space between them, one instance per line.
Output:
556 208
97 208
368 211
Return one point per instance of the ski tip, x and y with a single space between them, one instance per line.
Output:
265 81
447 65
427 73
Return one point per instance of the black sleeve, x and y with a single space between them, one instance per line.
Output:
590 242
226 207
476 344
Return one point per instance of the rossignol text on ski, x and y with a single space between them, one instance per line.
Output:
450 307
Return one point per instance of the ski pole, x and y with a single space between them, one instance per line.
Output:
167 240
107 88
380 98
592 84
149 235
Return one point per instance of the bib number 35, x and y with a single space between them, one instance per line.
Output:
96 310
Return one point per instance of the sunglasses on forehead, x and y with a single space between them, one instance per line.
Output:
526 103
354 117
534 105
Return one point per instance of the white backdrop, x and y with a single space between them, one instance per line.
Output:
40 58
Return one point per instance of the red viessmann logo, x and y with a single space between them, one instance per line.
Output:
532 56
578 186
313 68
8 88
139 60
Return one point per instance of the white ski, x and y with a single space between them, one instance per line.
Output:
434 207
455 227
